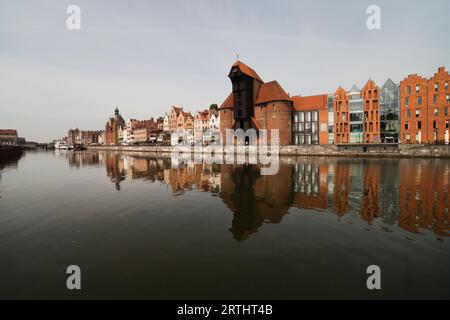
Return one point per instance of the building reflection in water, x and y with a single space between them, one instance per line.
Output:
9 158
410 193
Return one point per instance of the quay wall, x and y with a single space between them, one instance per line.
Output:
349 150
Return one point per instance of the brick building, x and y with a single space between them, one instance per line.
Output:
173 117
371 100
113 127
255 104
8 137
341 116
438 125
424 108
413 109
357 114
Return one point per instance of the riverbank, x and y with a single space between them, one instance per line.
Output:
349 150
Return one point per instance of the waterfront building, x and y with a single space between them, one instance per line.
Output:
330 108
173 118
160 124
341 116
113 127
413 109
89 137
101 137
356 115
201 121
371 99
424 108
166 125
439 107
8 137
82 137
73 137
214 120
389 112
310 120
256 104
186 121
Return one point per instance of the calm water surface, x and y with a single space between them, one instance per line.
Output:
143 226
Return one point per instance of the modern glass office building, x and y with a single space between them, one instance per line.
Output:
356 114
389 112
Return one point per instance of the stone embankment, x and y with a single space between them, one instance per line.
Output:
349 150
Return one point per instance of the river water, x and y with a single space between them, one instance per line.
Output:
148 226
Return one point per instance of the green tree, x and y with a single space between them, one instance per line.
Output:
214 106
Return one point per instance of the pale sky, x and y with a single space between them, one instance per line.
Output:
145 56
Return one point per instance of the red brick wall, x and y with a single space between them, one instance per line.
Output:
371 106
276 115
341 124
441 103
412 120
226 122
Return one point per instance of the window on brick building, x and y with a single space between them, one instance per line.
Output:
446 111
419 125
408 89
446 85
447 98
446 124
406 126
434 124
417 87
436 87
436 111
417 113
406 102
419 100
307 116
435 98
408 114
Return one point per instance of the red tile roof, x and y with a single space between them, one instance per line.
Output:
177 109
245 69
317 102
228 103
271 91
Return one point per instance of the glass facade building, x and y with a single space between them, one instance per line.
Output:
305 127
389 112
356 115
330 103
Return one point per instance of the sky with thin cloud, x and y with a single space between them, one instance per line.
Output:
146 56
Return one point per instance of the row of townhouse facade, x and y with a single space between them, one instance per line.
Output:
204 126
414 111
120 132
83 137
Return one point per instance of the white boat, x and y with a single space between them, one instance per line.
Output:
61 145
